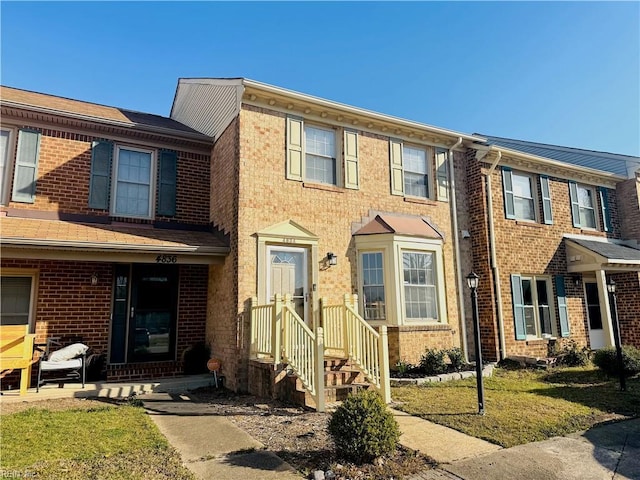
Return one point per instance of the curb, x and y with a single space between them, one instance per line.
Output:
487 371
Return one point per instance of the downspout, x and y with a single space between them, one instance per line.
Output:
494 260
456 243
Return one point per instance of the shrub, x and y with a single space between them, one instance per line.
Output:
573 355
606 359
403 367
456 357
432 362
363 428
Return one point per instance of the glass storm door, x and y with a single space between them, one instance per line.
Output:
288 275
596 334
143 325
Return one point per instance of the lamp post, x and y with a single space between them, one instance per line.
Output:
472 282
611 288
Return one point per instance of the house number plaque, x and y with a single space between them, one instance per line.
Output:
288 240
167 259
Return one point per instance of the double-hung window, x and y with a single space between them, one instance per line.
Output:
16 299
583 205
320 155
532 304
373 286
134 182
420 296
523 197
416 173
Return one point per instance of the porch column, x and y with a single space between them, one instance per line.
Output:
605 308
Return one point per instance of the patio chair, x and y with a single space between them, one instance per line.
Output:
70 361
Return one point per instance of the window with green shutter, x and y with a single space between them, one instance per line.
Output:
545 191
26 168
100 179
563 311
167 181
604 207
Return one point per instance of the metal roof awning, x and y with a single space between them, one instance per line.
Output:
63 240
593 255
400 225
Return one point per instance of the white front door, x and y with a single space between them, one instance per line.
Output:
288 275
597 338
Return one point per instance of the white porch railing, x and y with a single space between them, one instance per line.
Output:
280 335
366 348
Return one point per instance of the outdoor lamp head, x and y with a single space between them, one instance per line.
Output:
611 286
473 280
333 259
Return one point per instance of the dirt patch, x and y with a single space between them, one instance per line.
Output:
53 405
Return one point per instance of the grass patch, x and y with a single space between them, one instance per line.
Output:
119 442
523 405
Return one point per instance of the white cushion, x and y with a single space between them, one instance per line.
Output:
68 353
75 363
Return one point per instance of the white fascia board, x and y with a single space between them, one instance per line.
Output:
358 111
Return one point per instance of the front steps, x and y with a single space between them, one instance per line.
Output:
341 379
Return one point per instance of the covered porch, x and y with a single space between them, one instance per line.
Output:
596 263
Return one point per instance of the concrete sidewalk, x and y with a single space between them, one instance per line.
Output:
214 448
210 445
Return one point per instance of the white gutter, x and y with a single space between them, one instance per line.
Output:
494 260
456 243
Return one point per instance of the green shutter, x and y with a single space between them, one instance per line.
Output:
168 172
26 171
518 307
507 186
100 180
295 153
351 174
563 311
604 206
442 174
396 168
575 206
547 213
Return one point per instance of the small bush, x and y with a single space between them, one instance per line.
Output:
432 362
456 357
403 367
363 428
573 355
606 359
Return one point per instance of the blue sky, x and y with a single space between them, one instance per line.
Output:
561 73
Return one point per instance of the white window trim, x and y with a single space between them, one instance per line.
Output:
595 203
34 275
336 158
361 284
152 183
535 194
552 306
429 156
436 250
11 160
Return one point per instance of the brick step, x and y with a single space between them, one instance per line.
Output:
343 377
334 395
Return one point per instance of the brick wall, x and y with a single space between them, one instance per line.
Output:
64 170
628 193
225 320
627 288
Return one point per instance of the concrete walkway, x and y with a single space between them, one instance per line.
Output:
210 445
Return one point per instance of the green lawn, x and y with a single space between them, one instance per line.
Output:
523 405
115 442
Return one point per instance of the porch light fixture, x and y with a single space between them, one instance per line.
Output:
576 280
472 281
94 279
611 288
332 259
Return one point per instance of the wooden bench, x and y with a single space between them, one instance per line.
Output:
16 352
